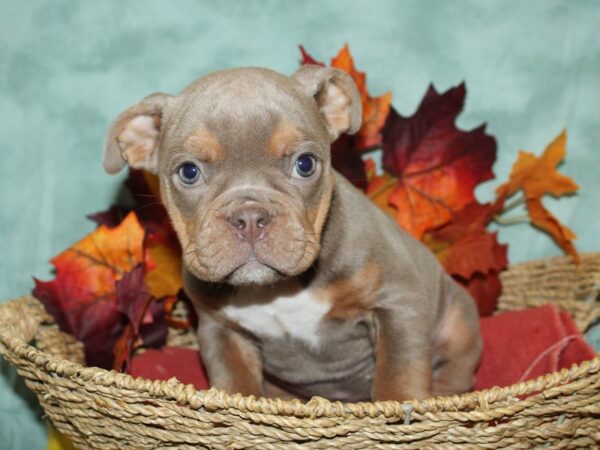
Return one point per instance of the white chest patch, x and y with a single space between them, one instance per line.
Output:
280 313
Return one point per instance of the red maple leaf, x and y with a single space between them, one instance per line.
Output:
308 59
347 161
437 166
472 254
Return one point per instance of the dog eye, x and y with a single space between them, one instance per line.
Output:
188 173
305 166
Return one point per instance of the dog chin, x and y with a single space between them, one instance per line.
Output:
253 272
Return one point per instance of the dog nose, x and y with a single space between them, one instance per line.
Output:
250 222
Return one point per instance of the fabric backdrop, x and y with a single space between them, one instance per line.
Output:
67 68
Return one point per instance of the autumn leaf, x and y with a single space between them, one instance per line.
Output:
144 188
472 254
111 217
146 324
82 298
486 290
543 219
133 299
164 278
464 246
380 187
536 177
436 164
347 161
374 109
308 59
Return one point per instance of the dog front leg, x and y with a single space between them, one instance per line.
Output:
402 359
232 361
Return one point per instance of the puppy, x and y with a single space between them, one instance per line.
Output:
299 280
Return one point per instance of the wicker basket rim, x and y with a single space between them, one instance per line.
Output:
213 399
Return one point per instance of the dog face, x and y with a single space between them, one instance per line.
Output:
244 166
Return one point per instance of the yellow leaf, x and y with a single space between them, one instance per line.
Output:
537 176
165 279
56 440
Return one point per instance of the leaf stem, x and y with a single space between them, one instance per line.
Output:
511 220
513 204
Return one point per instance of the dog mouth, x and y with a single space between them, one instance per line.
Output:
253 271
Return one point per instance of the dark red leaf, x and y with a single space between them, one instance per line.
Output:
111 217
307 59
485 289
346 160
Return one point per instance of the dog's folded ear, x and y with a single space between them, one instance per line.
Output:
133 137
336 95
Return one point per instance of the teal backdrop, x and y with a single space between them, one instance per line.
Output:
67 68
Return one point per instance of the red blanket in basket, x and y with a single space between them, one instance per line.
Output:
518 346
521 345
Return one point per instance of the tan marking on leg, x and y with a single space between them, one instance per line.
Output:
353 296
458 348
400 376
243 364
402 370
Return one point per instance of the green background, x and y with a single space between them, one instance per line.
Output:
67 68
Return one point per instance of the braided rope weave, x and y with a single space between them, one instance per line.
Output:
107 410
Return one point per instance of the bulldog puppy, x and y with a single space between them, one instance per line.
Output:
299 279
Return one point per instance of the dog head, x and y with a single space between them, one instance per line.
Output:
243 157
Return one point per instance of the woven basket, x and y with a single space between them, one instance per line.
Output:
108 410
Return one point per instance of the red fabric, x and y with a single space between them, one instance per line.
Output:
521 345
168 362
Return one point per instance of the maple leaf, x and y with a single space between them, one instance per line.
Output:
485 289
465 247
380 187
470 253
346 160
537 176
111 217
164 277
82 298
145 190
146 324
437 166
133 300
308 59
374 109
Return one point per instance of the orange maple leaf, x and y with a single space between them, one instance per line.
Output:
164 278
83 296
380 187
102 257
537 176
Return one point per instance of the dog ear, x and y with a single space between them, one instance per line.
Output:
336 95
133 137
